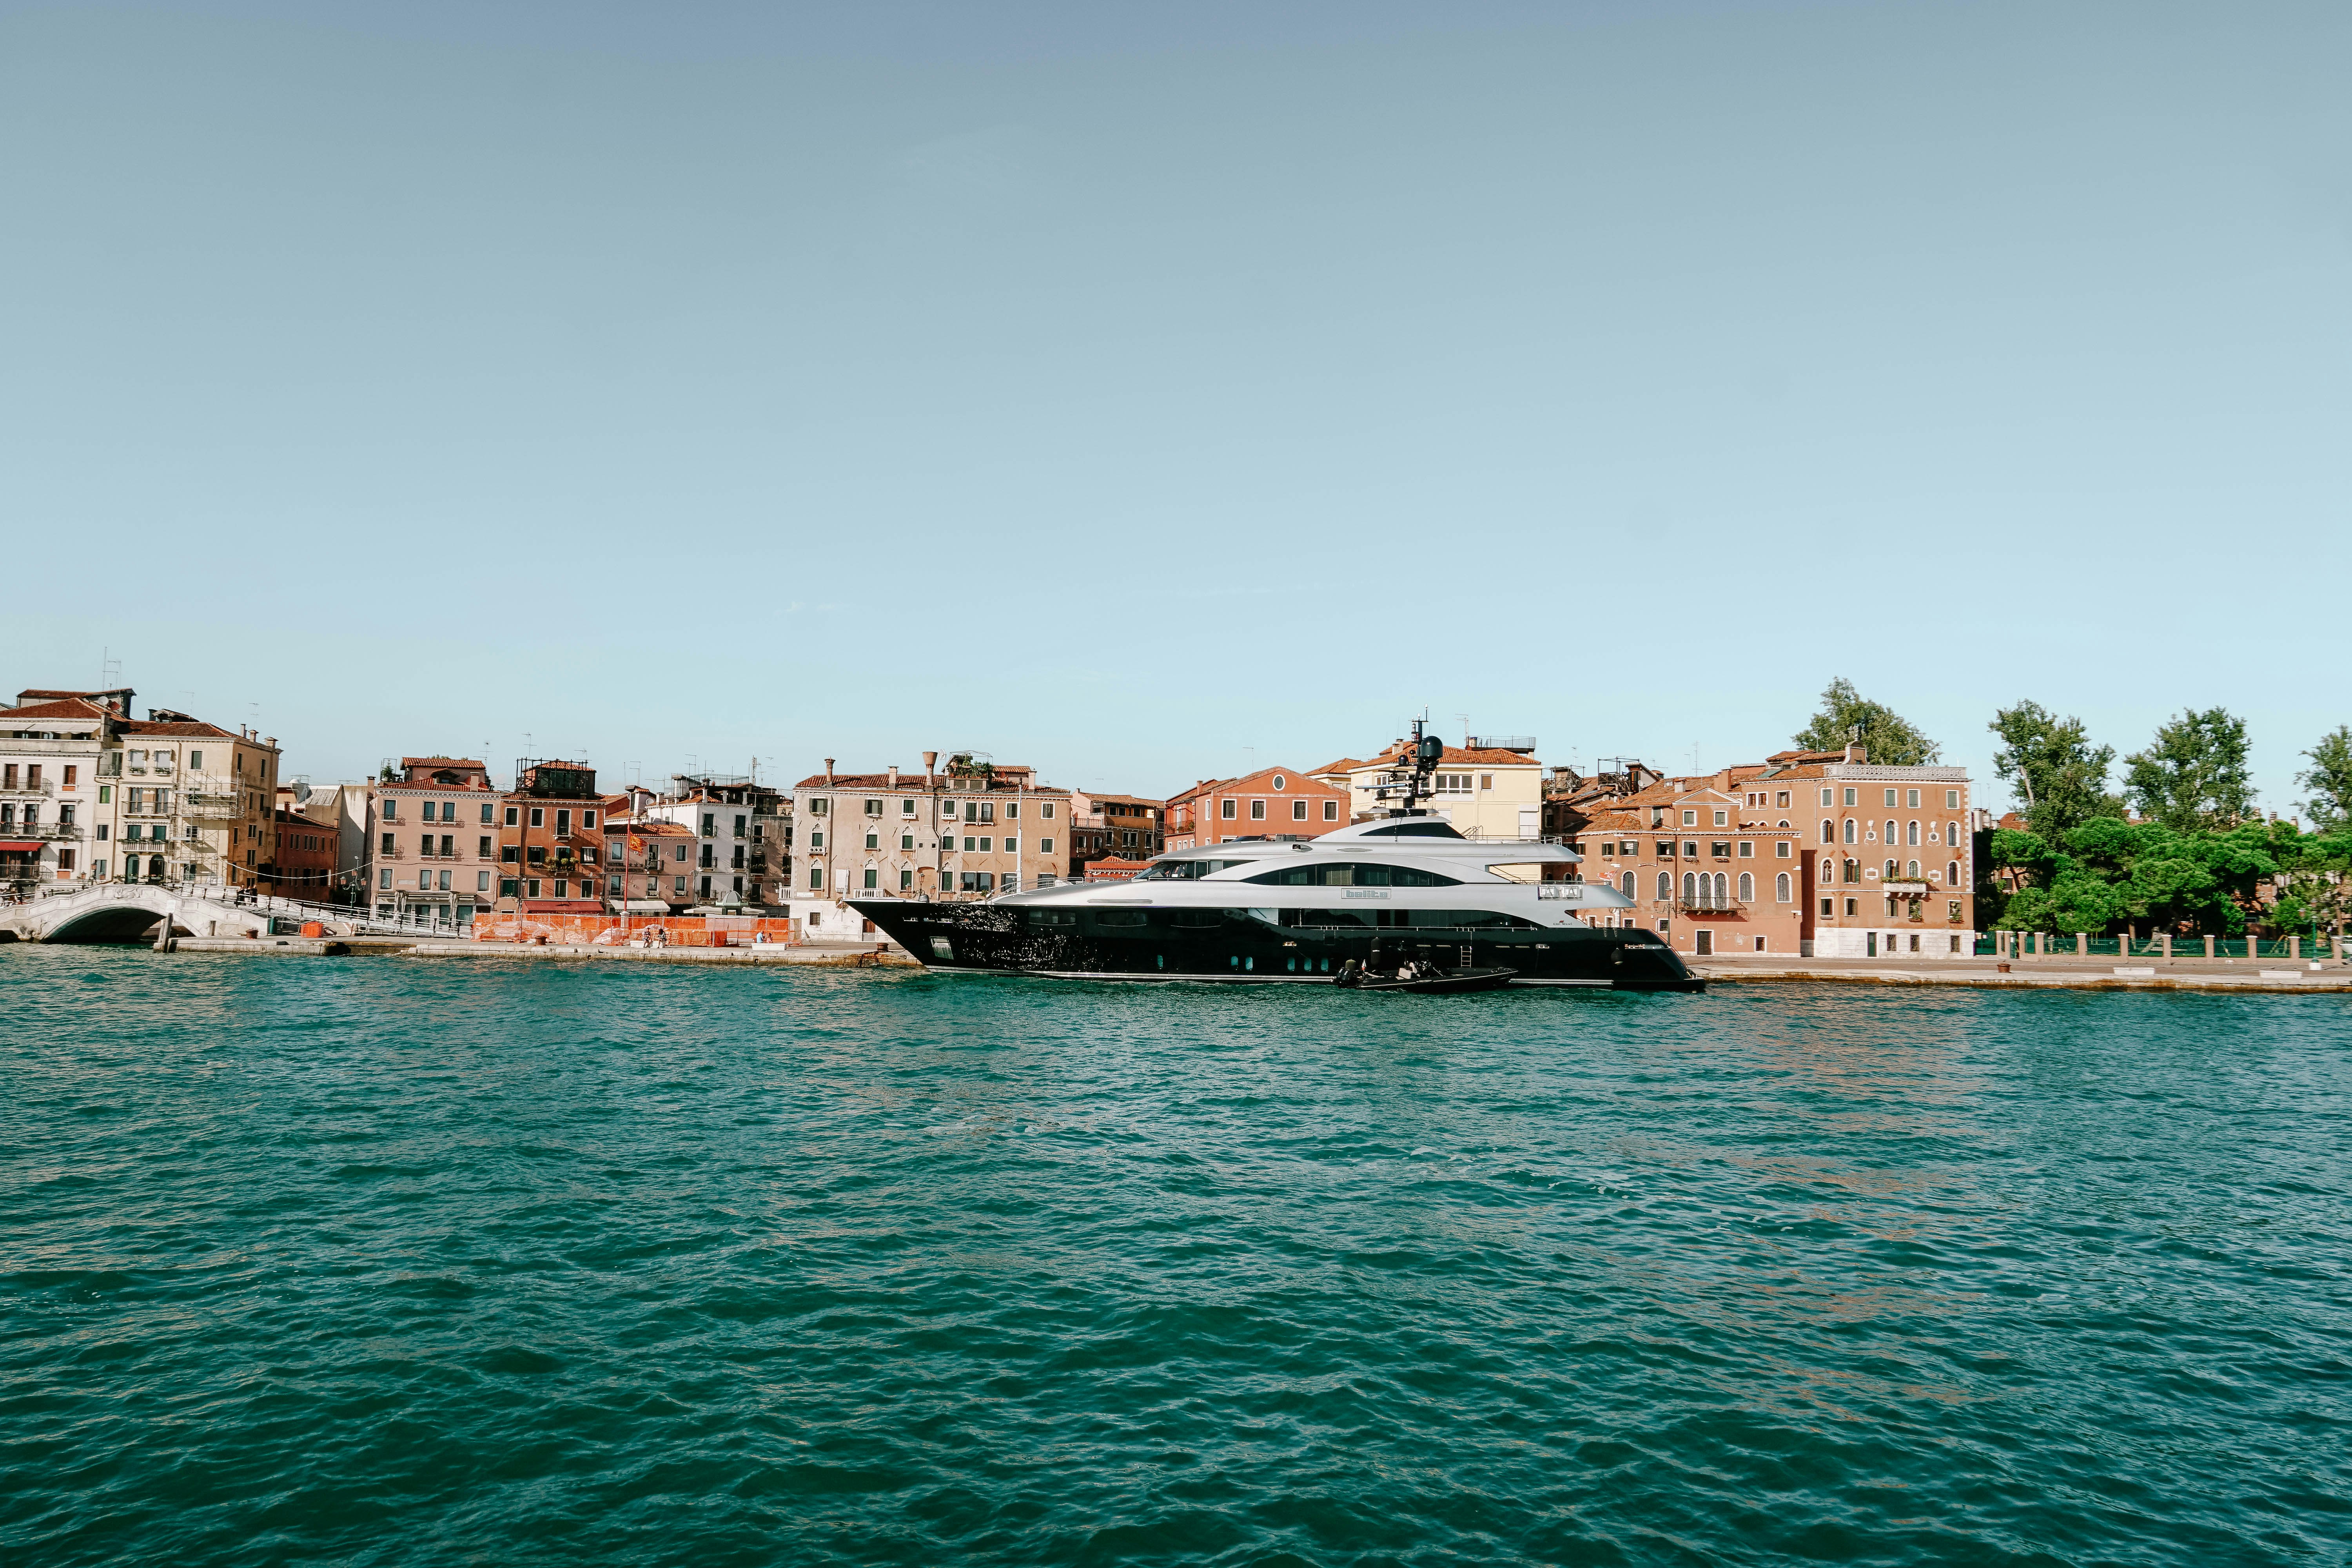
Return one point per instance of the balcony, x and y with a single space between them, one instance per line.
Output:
43 789
1709 907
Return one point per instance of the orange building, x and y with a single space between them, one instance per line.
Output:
1127 826
1273 803
550 843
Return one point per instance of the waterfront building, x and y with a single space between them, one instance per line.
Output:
1879 858
1125 826
743 855
432 836
305 865
51 742
1272 803
550 843
648 864
1489 787
970 830
98 795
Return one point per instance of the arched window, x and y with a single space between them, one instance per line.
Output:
1665 887
1722 891
1628 884
1849 830
1889 872
1829 831
1910 833
1952 834
1690 889
1747 888
1891 831
1854 870
1911 869
1780 889
1952 875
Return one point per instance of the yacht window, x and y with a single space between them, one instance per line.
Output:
1052 918
1198 920
1405 829
1355 877
1180 870
1119 917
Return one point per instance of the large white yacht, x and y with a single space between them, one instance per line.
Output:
1401 889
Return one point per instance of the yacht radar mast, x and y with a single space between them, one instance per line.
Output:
1423 758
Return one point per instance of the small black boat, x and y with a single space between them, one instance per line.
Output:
1426 979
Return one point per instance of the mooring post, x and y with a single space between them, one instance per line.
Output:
164 937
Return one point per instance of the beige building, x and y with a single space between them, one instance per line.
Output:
1491 788
970 830
169 798
433 839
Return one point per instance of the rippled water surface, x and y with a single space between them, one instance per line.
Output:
380 1261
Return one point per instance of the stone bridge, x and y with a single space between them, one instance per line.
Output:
127 912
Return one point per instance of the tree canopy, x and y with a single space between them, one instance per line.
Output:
2106 871
2329 780
1892 738
2052 761
2194 775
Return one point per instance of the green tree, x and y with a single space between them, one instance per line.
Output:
2329 780
2194 773
1891 738
2051 760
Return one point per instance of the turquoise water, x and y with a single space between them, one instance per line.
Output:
378 1261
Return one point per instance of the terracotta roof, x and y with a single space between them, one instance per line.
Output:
46 695
67 708
439 763
198 730
1452 756
651 829
1343 765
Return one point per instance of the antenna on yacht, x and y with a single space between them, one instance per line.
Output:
1426 750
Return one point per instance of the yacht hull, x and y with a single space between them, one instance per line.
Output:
1228 947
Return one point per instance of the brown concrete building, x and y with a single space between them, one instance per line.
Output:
305 867
1273 803
1813 853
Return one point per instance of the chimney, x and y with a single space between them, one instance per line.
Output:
931 762
829 771
894 775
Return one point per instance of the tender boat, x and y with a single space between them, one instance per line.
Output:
1281 911
1427 980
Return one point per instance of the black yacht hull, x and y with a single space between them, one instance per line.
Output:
1233 947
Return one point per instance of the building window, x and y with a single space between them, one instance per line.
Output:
1852 797
1690 819
1665 886
1911 870
1258 811
1829 906
1012 846
531 883
1849 827
1911 831
481 881
1780 889
1783 800
383 878
1046 810
1747 888
539 816
1780 850
1330 811
1748 850
513 815
816 841
1888 870
907 806
1723 819
1951 800
388 842
1628 888
1829 797
485 816
1297 811
1829 831
1952 874
874 841
1852 907
1044 847
873 878
817 881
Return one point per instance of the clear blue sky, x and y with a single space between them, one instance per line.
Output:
1121 388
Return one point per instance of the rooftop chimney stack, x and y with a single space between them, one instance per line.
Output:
930 764
829 771
894 775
